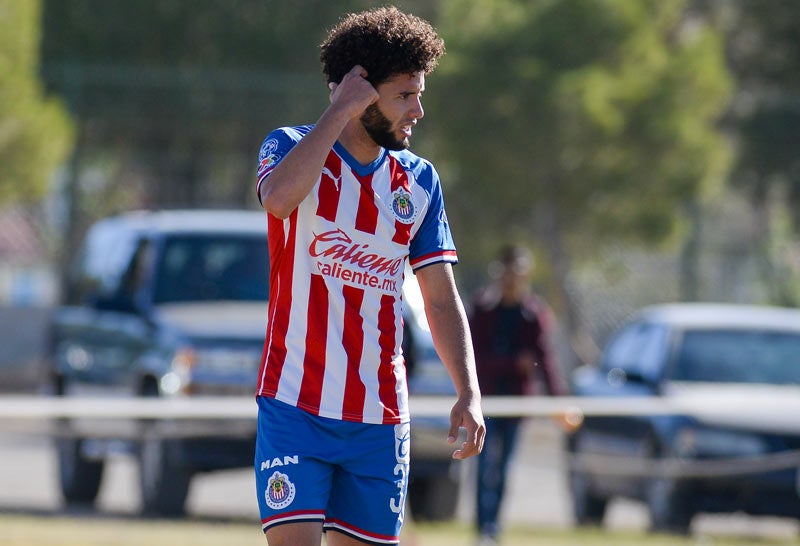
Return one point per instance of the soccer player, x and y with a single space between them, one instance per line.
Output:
347 206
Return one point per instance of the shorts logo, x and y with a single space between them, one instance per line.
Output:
280 491
402 206
402 442
277 461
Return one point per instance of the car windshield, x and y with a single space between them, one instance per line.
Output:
736 356
211 268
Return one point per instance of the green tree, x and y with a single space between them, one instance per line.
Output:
35 132
183 91
763 48
575 123
172 98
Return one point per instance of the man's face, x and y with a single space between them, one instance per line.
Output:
389 120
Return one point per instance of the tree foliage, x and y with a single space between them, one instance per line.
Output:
763 44
576 123
180 93
763 51
35 132
591 118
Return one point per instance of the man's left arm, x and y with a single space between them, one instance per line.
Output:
451 336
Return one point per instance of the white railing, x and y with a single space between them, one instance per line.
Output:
106 417
774 414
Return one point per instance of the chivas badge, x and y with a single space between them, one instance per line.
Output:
402 206
280 491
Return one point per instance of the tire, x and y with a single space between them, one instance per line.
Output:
163 478
670 510
79 476
667 501
587 508
433 498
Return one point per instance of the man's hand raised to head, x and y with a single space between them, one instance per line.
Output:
354 93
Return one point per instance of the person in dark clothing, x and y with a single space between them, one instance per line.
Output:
511 328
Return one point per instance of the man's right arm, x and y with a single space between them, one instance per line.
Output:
287 185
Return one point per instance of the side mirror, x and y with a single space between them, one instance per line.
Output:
617 377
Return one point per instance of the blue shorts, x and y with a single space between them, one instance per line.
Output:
351 477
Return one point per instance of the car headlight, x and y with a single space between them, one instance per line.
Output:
694 442
196 371
178 379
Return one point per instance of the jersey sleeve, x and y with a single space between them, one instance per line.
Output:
433 242
274 148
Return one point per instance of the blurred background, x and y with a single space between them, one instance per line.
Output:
645 151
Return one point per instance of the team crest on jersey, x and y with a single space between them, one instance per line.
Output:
402 206
269 146
280 491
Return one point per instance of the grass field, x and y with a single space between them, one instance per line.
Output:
28 530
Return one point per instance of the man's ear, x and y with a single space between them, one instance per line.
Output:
332 86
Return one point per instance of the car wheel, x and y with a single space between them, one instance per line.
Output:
587 508
670 510
79 476
163 479
669 506
433 498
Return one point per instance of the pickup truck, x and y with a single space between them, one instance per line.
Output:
174 304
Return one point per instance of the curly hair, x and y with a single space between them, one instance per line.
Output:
385 41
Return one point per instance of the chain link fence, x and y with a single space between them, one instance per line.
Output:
731 266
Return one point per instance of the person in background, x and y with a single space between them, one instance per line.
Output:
511 329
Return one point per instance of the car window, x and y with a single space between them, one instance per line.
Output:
639 349
212 267
129 293
736 356
101 262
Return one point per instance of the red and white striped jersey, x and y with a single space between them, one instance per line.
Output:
335 310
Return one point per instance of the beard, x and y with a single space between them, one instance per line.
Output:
379 128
